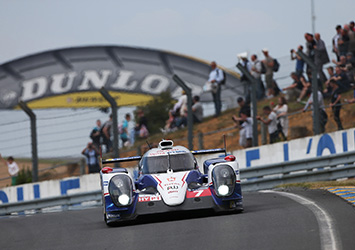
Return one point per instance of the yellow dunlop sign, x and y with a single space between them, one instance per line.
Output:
72 77
89 99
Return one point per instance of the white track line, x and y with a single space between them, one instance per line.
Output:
327 230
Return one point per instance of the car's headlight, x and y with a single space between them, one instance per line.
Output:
120 189
223 177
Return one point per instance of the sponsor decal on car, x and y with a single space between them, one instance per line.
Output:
146 198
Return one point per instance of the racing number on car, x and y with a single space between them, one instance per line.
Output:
198 193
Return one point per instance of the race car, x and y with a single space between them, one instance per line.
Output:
169 179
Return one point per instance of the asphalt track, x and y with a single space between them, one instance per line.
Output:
270 221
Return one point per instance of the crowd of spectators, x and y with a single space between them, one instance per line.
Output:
178 116
341 78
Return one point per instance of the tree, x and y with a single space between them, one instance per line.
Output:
157 111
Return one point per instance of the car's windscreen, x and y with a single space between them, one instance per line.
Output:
160 164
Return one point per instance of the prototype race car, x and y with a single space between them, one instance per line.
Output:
169 180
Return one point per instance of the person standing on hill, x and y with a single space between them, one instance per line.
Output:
335 103
271 123
197 110
282 119
215 78
245 125
310 43
269 75
320 57
299 61
95 134
125 130
91 154
256 72
12 167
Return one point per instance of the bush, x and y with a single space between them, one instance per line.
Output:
157 111
24 176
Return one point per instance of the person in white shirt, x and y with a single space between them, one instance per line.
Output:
215 78
180 110
281 111
246 129
13 169
271 121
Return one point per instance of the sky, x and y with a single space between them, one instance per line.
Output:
210 30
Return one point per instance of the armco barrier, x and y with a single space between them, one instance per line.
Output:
330 167
64 200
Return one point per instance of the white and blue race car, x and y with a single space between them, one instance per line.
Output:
169 180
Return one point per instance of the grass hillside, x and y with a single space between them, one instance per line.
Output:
213 128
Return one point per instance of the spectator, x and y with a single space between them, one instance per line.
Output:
269 65
141 128
351 33
125 130
271 121
255 71
350 60
106 134
343 42
246 64
92 154
341 63
341 78
245 125
12 168
335 41
298 89
335 103
327 89
244 108
170 124
350 67
320 57
215 78
95 134
299 61
310 43
323 117
282 119
197 110
181 108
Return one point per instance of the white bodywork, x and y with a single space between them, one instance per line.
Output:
172 187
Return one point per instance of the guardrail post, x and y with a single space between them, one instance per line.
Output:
32 116
188 91
316 119
253 83
114 108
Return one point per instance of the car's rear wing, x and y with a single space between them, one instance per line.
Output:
124 159
209 151
138 157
